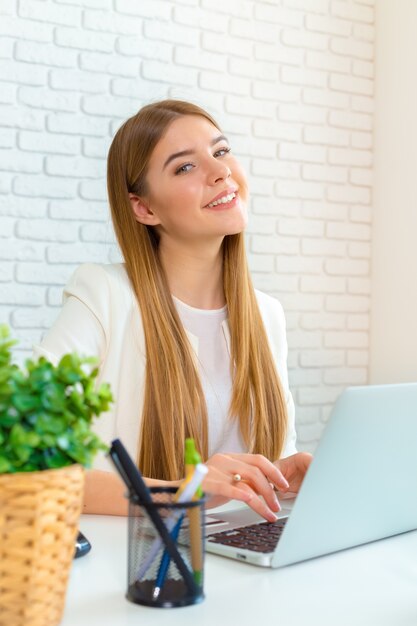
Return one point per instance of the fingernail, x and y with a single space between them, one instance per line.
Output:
277 503
272 517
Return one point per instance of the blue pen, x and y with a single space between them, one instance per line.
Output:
165 561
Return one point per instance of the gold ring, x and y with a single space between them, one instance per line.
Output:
237 478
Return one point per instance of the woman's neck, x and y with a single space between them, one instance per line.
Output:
195 276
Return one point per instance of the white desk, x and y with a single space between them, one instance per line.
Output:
370 585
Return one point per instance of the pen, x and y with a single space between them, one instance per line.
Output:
184 494
136 485
165 561
192 458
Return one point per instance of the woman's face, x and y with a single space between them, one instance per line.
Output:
196 187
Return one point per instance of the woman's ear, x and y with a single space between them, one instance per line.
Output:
143 213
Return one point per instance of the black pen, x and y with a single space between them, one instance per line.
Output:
137 486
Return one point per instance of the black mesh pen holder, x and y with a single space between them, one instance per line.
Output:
165 569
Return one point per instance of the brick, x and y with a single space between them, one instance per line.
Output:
93 190
45 54
200 59
21 118
169 73
135 89
358 358
78 81
351 48
358 322
33 317
78 210
349 193
363 141
42 274
156 10
323 247
6 181
28 30
352 85
274 206
325 173
252 30
300 227
187 35
327 24
346 339
360 158
253 69
16 161
106 105
275 245
302 302
65 15
200 19
238 8
97 148
6 272
322 358
346 376
271 283
224 83
41 98
47 230
304 377
298 189
8 93
308 435
352 12
326 98
363 68
361 213
275 169
361 177
245 106
364 32
301 113
111 22
103 233
39 186
323 135
261 225
109 64
92 4
339 230
361 286
306 414
54 296
277 53
44 142
20 207
324 210
359 250
304 77
76 124
261 263
21 250
140 48
75 254
328 62
318 395
348 303
322 321
355 121
322 284
301 152
8 7
23 73
84 39
230 46
7 227
303 339
363 104
297 265
346 267
20 295
302 38
278 15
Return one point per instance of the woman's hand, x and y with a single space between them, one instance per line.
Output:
259 477
294 468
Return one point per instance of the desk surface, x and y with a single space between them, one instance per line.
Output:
363 586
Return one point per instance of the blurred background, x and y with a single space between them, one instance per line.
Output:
319 101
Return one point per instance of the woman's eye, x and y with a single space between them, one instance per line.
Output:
222 151
184 168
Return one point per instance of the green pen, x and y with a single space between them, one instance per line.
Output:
192 458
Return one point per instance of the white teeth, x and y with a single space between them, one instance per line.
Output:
222 200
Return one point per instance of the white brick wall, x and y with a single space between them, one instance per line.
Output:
291 82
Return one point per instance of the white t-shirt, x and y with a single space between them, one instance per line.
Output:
214 369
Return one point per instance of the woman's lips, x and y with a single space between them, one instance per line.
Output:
223 205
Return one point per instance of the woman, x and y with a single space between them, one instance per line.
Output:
187 345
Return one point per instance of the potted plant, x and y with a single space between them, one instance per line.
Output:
46 412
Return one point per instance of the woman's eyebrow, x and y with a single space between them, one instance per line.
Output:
176 155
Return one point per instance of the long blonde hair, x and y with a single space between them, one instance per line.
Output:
174 405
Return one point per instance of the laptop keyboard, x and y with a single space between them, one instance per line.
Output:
261 537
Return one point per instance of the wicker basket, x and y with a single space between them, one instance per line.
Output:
39 514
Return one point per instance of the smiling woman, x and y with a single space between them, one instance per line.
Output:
189 348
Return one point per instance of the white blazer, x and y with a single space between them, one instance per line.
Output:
100 317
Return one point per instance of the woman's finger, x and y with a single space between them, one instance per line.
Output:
271 471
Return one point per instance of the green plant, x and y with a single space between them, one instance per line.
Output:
46 411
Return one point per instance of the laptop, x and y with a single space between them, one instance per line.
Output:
361 486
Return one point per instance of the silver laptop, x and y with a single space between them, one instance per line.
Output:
360 487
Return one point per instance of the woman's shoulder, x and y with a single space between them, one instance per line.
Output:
269 305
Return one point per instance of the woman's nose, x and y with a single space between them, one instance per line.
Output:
218 171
